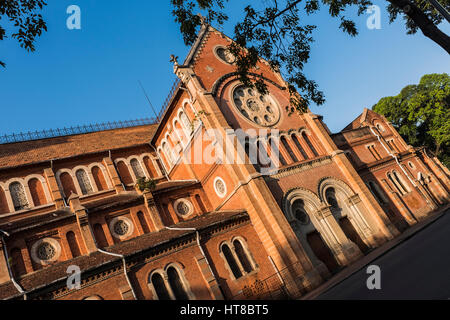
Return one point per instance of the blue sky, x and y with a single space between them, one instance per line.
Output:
91 75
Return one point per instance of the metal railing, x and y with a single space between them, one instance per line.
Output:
165 105
61 132
279 286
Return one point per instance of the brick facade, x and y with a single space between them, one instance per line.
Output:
209 230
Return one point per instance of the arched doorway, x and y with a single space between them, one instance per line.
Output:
313 238
301 209
336 200
321 250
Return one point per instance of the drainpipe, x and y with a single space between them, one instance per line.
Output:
393 156
201 250
124 268
5 250
114 255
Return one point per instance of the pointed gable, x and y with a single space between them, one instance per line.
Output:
209 67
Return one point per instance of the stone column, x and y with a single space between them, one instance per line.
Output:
153 211
113 174
52 184
345 250
83 223
354 203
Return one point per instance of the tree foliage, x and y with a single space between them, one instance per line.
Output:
421 114
277 34
26 23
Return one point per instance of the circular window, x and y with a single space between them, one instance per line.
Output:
45 251
183 207
260 109
225 55
121 227
220 187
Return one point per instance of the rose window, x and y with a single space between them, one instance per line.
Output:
183 208
46 251
258 108
121 228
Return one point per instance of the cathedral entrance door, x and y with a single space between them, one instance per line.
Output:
352 234
322 252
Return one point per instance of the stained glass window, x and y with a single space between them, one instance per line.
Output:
261 109
83 181
137 169
18 196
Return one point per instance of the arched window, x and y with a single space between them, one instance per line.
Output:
288 149
17 263
400 181
331 198
137 169
160 287
37 192
276 151
231 261
100 236
67 184
124 173
83 181
73 244
242 256
143 222
263 157
180 132
93 298
148 163
373 187
308 142
380 127
168 153
299 211
160 166
396 180
186 124
18 196
4 208
200 203
99 179
176 285
299 146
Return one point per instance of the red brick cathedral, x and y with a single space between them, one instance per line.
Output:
74 224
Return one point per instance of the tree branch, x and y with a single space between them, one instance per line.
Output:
424 23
